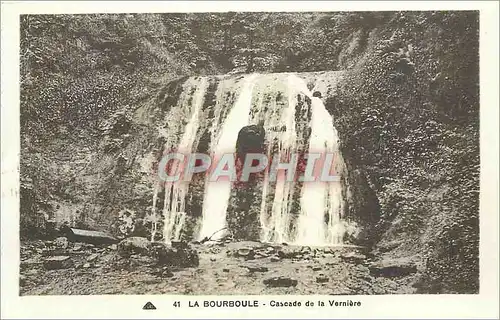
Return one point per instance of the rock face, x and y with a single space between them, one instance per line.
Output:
244 208
399 186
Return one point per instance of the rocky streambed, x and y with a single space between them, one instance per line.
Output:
137 266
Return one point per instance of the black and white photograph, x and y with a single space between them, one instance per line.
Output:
249 153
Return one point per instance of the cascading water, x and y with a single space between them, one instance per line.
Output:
320 212
217 192
294 121
277 229
175 192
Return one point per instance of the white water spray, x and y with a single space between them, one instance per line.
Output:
320 201
217 193
175 192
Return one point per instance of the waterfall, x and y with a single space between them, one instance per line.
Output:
217 192
277 228
175 192
294 121
320 200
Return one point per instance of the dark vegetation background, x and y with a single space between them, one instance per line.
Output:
407 113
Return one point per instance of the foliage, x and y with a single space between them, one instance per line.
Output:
408 115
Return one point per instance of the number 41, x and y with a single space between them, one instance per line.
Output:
177 304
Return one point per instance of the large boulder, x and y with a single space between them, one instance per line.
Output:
250 140
246 196
88 236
